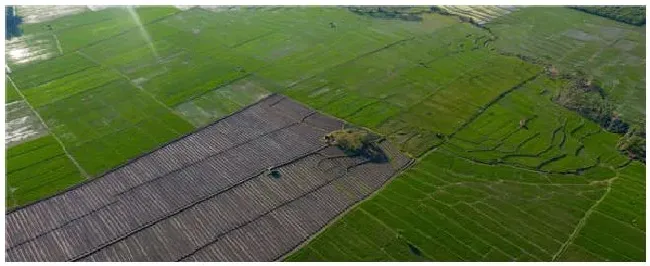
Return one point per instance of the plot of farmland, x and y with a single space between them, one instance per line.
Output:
502 173
199 197
479 14
21 124
38 167
417 91
613 52
124 90
491 193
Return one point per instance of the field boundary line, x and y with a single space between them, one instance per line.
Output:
58 77
351 60
162 145
170 173
352 207
199 201
523 223
53 101
497 223
619 221
93 43
584 219
445 230
58 44
72 159
153 97
397 233
217 88
212 195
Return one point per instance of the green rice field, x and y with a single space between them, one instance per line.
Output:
612 52
502 172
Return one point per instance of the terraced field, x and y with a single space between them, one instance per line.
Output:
419 91
498 192
502 173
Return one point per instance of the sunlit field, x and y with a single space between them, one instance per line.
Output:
501 172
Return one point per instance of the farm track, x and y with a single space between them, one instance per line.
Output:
56 235
584 219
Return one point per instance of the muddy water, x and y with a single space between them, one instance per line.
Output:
21 124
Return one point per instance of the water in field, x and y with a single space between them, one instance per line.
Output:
21 124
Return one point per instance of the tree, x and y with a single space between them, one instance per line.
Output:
355 142
12 21
633 143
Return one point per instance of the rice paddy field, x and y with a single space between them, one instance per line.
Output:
89 89
612 52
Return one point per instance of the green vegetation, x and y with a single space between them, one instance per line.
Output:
451 209
503 171
349 140
357 142
492 194
634 15
418 91
35 169
398 12
105 126
610 52
580 94
554 140
110 95
633 143
11 95
495 190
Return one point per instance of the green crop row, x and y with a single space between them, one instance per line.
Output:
453 209
11 95
36 169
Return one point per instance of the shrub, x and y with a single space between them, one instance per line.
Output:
581 94
634 15
356 142
633 144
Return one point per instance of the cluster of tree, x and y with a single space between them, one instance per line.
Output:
392 12
11 23
633 143
582 95
634 15
357 142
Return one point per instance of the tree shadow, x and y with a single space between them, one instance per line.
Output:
13 22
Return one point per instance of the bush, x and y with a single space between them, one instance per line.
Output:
392 12
633 144
634 15
589 100
355 142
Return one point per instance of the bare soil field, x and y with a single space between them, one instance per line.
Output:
207 196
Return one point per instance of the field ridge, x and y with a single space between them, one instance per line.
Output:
72 159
